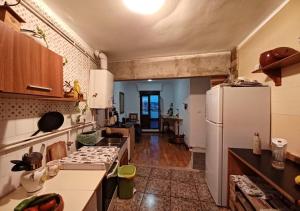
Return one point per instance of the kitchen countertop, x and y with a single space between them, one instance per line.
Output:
75 186
121 125
281 180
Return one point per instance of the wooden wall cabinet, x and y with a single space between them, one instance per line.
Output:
27 67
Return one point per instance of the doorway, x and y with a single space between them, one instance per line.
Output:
150 110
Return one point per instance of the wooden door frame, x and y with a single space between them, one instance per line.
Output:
141 93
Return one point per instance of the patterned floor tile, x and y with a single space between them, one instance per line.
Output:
183 176
132 204
203 193
140 183
209 206
143 171
152 202
183 190
180 204
159 186
199 177
160 173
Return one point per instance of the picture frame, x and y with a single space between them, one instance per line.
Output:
121 102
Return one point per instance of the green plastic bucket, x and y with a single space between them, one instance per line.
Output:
126 174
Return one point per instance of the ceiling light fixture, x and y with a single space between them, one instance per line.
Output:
149 80
144 7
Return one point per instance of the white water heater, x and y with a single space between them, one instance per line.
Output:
100 89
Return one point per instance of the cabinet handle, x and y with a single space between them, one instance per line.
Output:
42 88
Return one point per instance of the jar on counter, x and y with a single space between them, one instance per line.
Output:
279 146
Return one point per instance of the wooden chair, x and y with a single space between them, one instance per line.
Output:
56 151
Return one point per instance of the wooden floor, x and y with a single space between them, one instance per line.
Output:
155 150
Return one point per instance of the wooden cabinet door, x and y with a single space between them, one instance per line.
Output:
55 71
47 73
6 56
13 62
27 67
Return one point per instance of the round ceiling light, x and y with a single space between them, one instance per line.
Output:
144 7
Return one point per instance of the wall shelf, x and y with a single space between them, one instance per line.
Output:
243 161
274 70
64 99
35 97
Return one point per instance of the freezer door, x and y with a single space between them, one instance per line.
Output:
213 160
214 104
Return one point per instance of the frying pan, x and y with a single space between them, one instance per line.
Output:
20 165
50 121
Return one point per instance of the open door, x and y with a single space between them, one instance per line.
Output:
150 109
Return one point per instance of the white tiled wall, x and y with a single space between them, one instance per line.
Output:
19 117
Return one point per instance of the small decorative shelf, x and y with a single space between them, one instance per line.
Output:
62 99
274 70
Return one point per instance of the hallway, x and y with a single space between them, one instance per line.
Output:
155 150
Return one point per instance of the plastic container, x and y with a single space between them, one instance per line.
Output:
88 138
52 168
126 174
278 152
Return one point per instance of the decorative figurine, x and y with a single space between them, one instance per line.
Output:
76 89
170 110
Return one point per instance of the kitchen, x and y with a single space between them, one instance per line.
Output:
55 57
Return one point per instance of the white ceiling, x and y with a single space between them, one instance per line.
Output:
180 27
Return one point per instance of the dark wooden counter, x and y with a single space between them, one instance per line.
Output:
281 180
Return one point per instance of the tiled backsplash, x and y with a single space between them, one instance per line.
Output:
19 117
29 108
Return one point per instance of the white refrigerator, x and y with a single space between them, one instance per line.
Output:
233 115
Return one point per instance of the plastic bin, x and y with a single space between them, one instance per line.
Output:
126 174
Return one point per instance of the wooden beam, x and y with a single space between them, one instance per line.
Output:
215 64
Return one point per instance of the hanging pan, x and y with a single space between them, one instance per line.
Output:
50 121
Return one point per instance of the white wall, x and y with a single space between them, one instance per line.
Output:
181 96
192 91
196 110
132 101
131 91
118 87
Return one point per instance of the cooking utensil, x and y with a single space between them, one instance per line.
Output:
34 159
17 161
19 167
50 121
42 149
30 149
